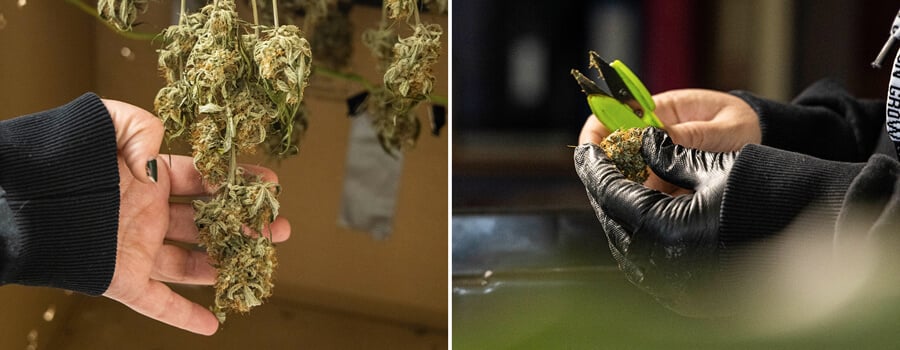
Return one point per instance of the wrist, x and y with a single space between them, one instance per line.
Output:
60 173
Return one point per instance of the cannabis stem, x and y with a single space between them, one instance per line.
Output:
255 18
181 15
127 34
274 13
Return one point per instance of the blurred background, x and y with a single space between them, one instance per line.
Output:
531 267
517 107
335 287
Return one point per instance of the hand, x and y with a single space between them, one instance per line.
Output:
138 136
665 244
146 219
703 119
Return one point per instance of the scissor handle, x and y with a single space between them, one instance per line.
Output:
639 91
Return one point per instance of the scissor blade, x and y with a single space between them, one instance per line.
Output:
615 83
589 87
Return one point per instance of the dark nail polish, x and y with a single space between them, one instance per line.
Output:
151 170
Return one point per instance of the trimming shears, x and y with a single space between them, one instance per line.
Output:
626 104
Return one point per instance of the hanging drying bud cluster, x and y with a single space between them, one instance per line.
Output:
400 9
380 42
408 78
121 13
325 21
234 90
245 263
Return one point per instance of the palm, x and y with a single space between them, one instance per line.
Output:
147 219
143 262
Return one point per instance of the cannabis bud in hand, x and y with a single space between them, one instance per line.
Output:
234 89
623 147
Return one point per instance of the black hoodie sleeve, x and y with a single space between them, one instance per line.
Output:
824 121
814 179
59 198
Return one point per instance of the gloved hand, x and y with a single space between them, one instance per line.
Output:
666 245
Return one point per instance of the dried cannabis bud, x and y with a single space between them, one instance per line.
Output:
408 78
121 13
246 264
410 75
400 9
234 90
623 147
381 42
396 130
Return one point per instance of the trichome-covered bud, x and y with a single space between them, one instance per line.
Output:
174 107
410 75
121 13
284 59
623 147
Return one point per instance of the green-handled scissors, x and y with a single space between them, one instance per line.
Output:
627 103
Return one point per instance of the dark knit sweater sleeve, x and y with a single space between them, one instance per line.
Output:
824 121
59 208
776 196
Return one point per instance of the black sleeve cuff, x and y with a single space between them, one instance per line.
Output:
824 121
60 173
774 199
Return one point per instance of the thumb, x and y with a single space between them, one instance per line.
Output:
679 165
138 137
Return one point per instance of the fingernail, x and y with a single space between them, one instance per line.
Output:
151 170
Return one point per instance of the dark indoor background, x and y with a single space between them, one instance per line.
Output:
516 107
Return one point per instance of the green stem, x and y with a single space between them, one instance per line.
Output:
93 12
255 18
353 77
232 166
439 100
356 78
345 76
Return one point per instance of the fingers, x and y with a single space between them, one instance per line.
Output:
624 201
183 177
593 131
186 181
672 163
179 265
708 120
162 304
182 228
138 137
682 166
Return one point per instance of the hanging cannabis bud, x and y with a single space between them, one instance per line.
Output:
121 13
285 63
234 90
400 9
397 130
408 76
380 42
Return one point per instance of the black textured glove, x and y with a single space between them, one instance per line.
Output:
665 245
